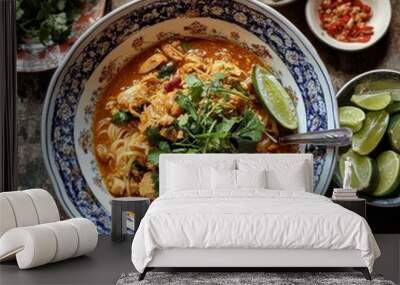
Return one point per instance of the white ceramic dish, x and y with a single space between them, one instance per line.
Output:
380 21
277 3
100 53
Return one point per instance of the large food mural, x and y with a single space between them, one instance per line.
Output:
196 77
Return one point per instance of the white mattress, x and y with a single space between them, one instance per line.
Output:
253 219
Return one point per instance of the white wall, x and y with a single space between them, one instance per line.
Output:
389 262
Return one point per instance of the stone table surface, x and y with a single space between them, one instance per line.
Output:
342 66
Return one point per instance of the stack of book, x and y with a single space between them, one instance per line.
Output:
344 194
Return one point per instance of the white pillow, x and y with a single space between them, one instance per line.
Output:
181 177
226 179
282 174
223 179
251 178
296 181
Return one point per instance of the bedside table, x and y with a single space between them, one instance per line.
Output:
119 209
358 205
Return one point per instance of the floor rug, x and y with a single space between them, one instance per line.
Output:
244 278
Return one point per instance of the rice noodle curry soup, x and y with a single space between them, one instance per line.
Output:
181 96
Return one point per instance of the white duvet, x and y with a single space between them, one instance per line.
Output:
256 218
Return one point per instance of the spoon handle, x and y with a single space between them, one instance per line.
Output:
335 137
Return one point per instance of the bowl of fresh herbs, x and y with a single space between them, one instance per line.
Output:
47 28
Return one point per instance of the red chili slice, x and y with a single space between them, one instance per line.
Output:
366 9
345 19
332 29
173 84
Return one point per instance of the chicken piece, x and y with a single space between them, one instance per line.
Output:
133 97
191 67
226 67
147 186
193 58
150 79
166 120
116 186
171 134
152 63
172 52
158 112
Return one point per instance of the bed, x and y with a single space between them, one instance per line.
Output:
280 224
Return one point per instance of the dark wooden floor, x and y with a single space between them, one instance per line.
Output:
103 266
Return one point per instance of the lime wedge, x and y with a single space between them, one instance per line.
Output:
355 128
351 117
389 173
393 108
372 101
372 132
364 170
395 93
376 85
274 98
394 132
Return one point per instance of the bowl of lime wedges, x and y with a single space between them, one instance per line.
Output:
369 105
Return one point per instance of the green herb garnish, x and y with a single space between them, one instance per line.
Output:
166 70
153 136
186 46
121 117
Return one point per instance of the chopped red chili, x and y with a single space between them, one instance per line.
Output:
173 84
346 20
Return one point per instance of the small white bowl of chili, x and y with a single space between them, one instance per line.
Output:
349 25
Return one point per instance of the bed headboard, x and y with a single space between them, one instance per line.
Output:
212 159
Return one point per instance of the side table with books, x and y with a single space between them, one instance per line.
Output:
348 199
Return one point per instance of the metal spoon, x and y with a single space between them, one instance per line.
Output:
335 137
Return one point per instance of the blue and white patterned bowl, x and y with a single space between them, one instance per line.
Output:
113 41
